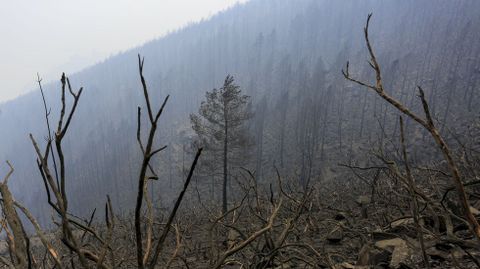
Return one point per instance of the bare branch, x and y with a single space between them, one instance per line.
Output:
427 124
162 238
157 151
145 90
249 240
5 179
41 234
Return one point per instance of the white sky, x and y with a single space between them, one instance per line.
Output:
52 36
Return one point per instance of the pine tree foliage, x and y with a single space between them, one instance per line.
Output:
222 127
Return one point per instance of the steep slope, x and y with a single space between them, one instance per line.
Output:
287 55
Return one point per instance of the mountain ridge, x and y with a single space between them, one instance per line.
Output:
271 48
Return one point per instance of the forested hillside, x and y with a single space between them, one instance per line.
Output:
288 56
308 122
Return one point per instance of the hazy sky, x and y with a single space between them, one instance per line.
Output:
51 36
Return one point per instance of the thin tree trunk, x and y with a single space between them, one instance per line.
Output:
225 168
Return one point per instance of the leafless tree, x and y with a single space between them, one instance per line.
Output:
427 123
